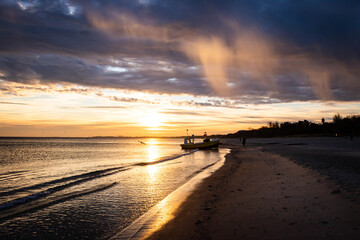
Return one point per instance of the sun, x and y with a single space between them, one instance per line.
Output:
152 120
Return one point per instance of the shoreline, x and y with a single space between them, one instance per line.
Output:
191 212
258 194
164 211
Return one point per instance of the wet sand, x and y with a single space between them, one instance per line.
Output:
260 194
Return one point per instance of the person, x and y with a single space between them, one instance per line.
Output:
206 138
243 141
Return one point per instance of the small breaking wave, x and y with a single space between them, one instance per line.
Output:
165 159
11 175
201 170
60 180
48 202
35 196
60 184
89 174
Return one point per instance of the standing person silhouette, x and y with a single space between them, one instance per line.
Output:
243 141
206 138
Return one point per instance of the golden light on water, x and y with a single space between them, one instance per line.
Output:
153 155
153 151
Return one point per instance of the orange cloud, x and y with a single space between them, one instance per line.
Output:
126 25
214 57
247 53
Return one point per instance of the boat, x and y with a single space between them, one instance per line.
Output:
206 144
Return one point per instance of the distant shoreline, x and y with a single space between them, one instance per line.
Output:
212 136
96 137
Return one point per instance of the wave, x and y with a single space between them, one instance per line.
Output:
88 174
165 159
11 175
93 174
35 196
47 202
200 170
60 180
70 181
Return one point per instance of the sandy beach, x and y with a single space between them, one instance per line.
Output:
302 188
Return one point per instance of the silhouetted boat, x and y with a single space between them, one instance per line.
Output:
206 144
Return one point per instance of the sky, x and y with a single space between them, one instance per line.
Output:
76 68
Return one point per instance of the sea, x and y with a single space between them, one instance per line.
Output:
89 188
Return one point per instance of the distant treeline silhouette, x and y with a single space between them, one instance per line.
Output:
348 126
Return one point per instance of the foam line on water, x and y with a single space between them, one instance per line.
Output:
201 170
165 159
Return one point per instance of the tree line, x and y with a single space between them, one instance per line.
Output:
347 126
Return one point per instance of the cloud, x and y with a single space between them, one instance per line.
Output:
124 25
251 51
8 88
253 56
104 107
14 103
214 58
182 112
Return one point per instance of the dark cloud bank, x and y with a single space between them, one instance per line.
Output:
282 50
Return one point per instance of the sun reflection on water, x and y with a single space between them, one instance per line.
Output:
153 155
153 150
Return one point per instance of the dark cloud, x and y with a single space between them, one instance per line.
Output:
145 76
302 51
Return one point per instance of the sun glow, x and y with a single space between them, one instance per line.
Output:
152 120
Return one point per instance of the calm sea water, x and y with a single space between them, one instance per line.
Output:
88 188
